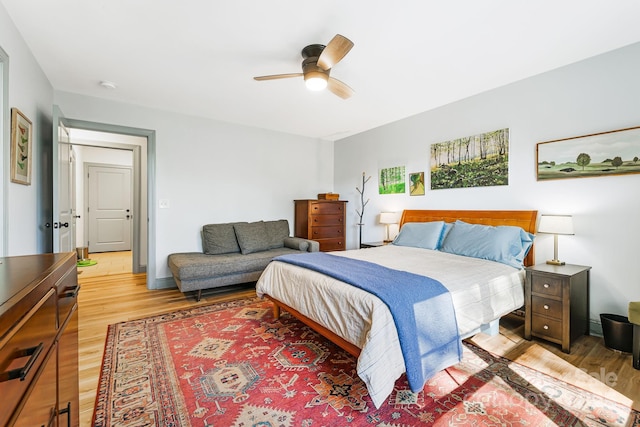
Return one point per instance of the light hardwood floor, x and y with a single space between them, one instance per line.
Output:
115 295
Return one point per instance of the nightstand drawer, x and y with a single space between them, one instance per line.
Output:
548 285
547 307
547 327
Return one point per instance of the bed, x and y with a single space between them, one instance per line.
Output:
481 290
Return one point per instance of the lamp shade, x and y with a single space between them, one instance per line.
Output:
556 224
388 218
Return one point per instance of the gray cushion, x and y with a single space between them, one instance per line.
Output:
219 239
296 243
252 237
277 231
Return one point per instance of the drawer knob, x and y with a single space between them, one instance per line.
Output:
546 286
545 327
546 307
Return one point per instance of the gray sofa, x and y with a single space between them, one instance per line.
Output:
234 253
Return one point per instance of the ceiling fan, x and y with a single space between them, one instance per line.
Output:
318 60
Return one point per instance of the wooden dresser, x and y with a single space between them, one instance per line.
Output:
39 340
322 221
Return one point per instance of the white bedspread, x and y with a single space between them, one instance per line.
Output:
481 290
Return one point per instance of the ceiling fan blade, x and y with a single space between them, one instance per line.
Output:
337 48
278 76
339 88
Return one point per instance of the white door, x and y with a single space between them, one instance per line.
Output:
63 178
109 208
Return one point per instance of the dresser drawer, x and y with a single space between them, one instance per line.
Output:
548 285
327 220
547 327
24 351
331 244
68 289
326 232
40 407
327 209
547 307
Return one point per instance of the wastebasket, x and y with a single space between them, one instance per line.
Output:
617 332
83 252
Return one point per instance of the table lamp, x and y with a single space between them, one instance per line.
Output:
387 218
555 224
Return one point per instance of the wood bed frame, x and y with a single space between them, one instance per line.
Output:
524 219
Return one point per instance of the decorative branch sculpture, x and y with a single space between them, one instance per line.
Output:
362 204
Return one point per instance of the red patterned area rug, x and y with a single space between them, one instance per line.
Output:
232 364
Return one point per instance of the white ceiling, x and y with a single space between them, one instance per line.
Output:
198 57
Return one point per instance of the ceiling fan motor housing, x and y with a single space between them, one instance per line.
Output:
310 68
312 50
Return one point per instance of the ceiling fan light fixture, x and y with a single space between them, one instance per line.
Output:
316 80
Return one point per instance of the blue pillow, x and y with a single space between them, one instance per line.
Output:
420 234
506 244
445 230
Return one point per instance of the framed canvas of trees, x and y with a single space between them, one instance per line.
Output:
474 161
391 180
608 153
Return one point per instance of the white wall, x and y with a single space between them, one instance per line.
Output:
30 92
209 171
596 95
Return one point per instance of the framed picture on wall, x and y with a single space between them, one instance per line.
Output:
21 148
416 184
480 160
607 153
391 180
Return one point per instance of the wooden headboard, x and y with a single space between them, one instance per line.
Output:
524 219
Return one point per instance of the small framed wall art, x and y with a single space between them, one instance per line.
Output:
21 147
416 184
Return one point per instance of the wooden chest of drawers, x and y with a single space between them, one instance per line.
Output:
39 340
557 303
322 221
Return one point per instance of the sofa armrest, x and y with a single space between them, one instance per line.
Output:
301 244
313 246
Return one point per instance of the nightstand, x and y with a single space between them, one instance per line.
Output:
364 245
556 301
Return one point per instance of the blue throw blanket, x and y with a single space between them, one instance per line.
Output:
421 307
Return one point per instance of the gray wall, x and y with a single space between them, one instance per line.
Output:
29 91
596 95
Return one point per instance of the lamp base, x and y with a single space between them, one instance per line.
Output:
555 262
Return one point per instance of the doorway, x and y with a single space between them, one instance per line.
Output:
108 219
119 138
